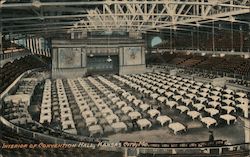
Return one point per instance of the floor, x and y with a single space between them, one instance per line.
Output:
196 132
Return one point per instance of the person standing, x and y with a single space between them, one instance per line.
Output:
211 136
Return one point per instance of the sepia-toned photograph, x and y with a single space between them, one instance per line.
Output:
124 78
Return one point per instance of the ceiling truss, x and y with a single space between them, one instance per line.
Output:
125 15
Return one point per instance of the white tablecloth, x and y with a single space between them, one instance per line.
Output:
177 97
191 96
153 112
208 121
187 101
144 107
215 98
176 127
87 114
134 115
147 92
169 94
45 117
121 104
95 129
171 104
106 111
166 87
216 93
214 104
228 118
228 102
154 95
125 94
182 108
137 102
203 94
127 109
131 98
143 123
212 111
201 99
110 96
115 99
161 99
198 106
194 91
181 92
164 119
241 94
91 121
218 88
229 109
229 91
160 91
119 126
193 114
113 118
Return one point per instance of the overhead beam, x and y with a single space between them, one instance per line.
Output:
94 3
44 17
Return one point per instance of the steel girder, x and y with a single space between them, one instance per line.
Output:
128 15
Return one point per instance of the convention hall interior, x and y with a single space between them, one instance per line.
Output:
124 78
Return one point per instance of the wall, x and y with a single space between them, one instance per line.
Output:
132 60
68 62
133 69
70 56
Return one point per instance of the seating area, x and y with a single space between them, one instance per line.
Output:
10 71
198 152
8 137
191 97
124 78
205 42
73 152
100 106
16 105
240 82
191 62
228 64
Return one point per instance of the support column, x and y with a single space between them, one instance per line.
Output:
1 35
1 42
247 131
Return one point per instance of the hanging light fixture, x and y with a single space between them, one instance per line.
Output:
109 59
213 36
198 36
171 42
232 20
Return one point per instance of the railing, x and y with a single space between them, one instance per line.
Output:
14 53
154 148
31 134
205 71
206 51
226 150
